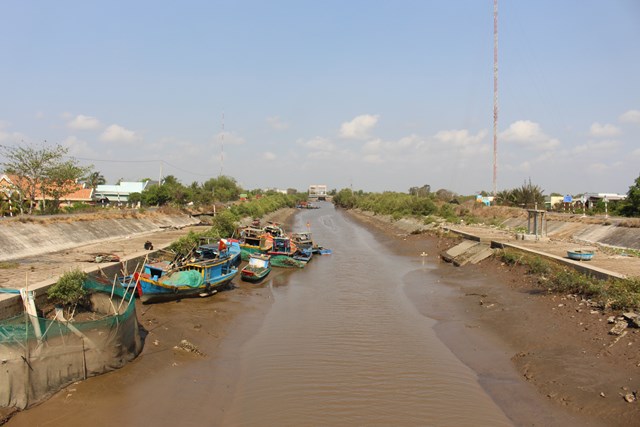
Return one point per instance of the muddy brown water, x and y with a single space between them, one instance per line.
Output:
340 342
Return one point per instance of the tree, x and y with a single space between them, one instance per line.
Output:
31 164
631 206
345 198
156 195
61 179
445 195
223 188
69 291
529 195
94 179
420 191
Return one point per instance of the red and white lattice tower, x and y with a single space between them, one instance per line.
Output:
495 96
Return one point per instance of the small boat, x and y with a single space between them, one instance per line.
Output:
281 245
304 240
581 254
257 269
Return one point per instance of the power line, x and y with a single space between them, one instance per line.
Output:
142 161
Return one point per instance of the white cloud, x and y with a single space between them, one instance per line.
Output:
77 147
524 166
373 158
359 127
528 134
8 136
276 123
596 146
116 133
631 116
598 167
460 138
81 122
268 155
230 138
636 152
603 131
319 144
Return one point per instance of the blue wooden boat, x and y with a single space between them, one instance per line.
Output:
212 268
580 254
304 240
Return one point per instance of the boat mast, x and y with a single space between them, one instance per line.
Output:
495 96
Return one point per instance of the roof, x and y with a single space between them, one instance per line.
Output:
122 188
79 193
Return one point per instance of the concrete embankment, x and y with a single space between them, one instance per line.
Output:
562 235
24 238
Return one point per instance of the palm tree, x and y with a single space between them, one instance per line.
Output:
95 179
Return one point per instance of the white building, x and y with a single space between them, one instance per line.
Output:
318 191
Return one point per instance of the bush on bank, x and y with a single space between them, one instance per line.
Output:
225 223
617 294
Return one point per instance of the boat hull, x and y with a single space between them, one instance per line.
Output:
254 276
152 291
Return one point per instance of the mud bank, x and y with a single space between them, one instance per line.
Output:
557 344
205 323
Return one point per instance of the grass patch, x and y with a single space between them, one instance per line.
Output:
8 265
616 294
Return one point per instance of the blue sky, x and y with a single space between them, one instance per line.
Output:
377 95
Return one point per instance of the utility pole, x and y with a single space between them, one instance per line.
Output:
495 97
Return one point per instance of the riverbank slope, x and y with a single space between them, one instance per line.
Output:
558 343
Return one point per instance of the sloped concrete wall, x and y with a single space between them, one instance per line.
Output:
22 239
611 235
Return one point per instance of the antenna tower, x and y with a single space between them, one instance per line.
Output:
495 97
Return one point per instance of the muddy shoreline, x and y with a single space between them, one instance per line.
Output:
562 357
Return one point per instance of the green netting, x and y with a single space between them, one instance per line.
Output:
39 356
18 329
190 278
284 261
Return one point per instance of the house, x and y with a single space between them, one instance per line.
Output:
591 199
120 192
76 192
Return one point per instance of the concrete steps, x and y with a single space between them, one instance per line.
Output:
467 252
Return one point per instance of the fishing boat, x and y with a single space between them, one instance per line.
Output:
210 269
257 269
273 229
304 240
280 245
250 239
581 254
224 249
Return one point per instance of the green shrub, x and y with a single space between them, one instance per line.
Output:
510 258
538 265
69 290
